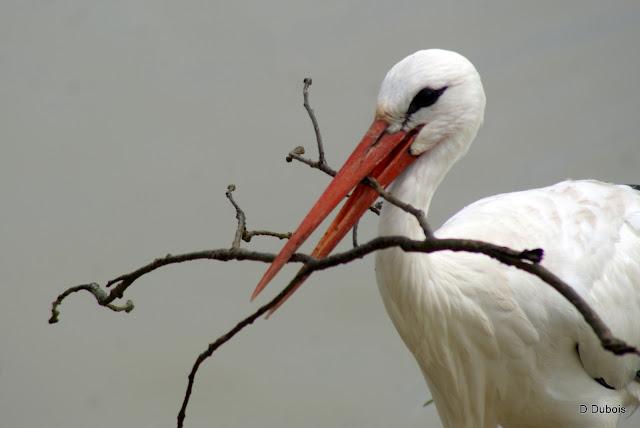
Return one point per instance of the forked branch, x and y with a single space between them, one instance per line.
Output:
527 260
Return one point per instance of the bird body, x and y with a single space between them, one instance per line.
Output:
496 345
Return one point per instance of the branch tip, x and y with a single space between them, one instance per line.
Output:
101 296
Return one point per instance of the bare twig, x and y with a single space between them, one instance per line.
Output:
527 260
248 234
124 281
100 295
305 93
354 234
212 347
223 254
240 216
417 213
296 154
241 231
320 164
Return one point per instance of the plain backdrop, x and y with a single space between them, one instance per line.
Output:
123 121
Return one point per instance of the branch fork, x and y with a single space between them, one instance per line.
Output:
527 260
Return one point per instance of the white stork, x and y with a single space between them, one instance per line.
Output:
495 344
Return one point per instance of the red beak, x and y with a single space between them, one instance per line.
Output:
381 155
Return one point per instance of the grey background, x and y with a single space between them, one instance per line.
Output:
122 122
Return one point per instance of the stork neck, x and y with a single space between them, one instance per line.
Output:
417 185
415 295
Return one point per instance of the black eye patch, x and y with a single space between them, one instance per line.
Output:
424 98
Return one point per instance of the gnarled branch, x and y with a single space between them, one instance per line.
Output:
527 261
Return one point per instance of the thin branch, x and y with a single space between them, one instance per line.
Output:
123 282
322 165
354 234
241 231
248 234
314 121
416 212
212 347
240 216
100 295
297 153
607 339
526 260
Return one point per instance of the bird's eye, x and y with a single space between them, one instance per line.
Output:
424 98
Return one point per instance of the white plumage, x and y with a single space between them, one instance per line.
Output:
495 344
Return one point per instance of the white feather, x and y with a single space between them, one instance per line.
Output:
497 345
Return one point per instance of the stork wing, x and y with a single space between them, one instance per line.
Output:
590 232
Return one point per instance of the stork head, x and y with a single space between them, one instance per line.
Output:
429 98
436 89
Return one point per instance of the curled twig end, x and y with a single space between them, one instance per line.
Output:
297 151
101 296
